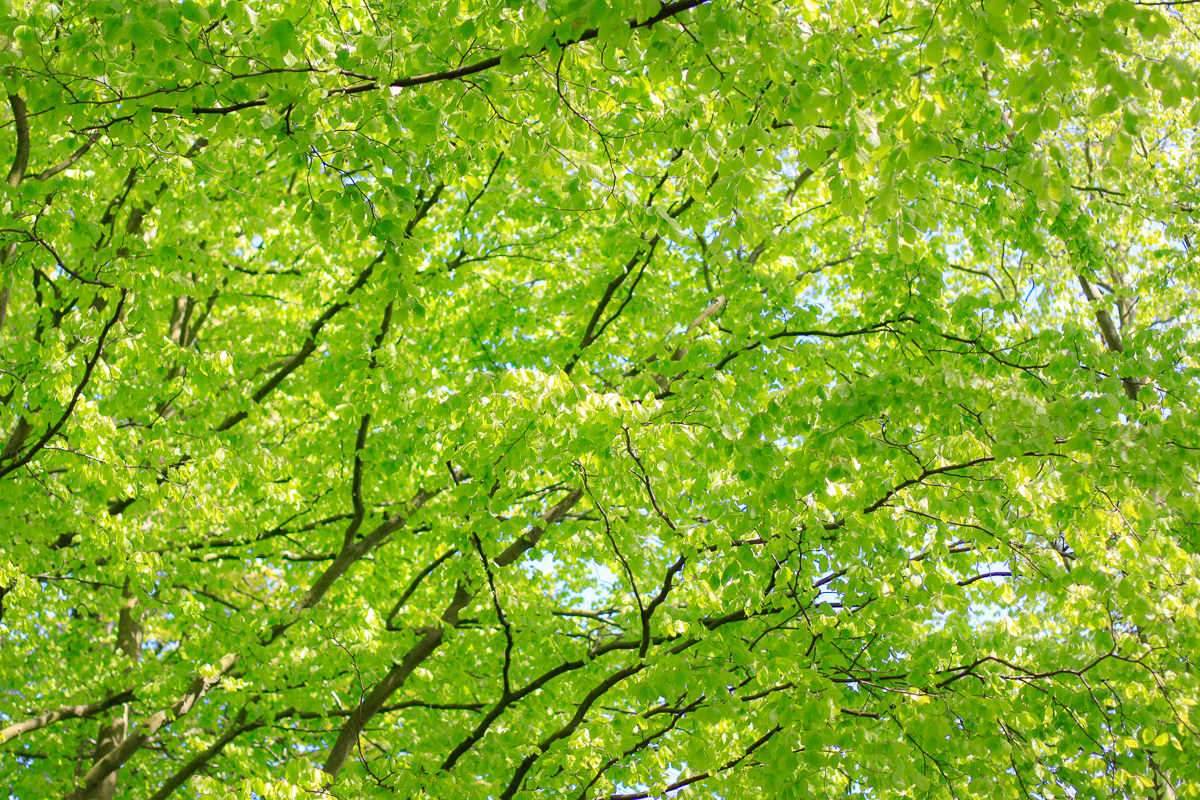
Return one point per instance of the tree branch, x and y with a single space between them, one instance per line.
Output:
393 680
66 712
15 174
120 754
69 161
70 409
196 764
398 674
21 156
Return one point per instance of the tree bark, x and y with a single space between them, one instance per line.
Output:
112 733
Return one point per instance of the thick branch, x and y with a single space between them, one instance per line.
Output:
416 584
665 12
566 730
529 540
349 556
395 678
202 685
1108 329
66 712
21 157
15 175
398 674
310 343
307 349
69 161
1110 333
648 612
119 755
196 764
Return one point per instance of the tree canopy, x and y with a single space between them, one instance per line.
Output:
599 399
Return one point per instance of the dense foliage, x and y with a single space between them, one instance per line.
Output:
497 399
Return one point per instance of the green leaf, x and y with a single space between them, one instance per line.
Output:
194 12
140 34
281 33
